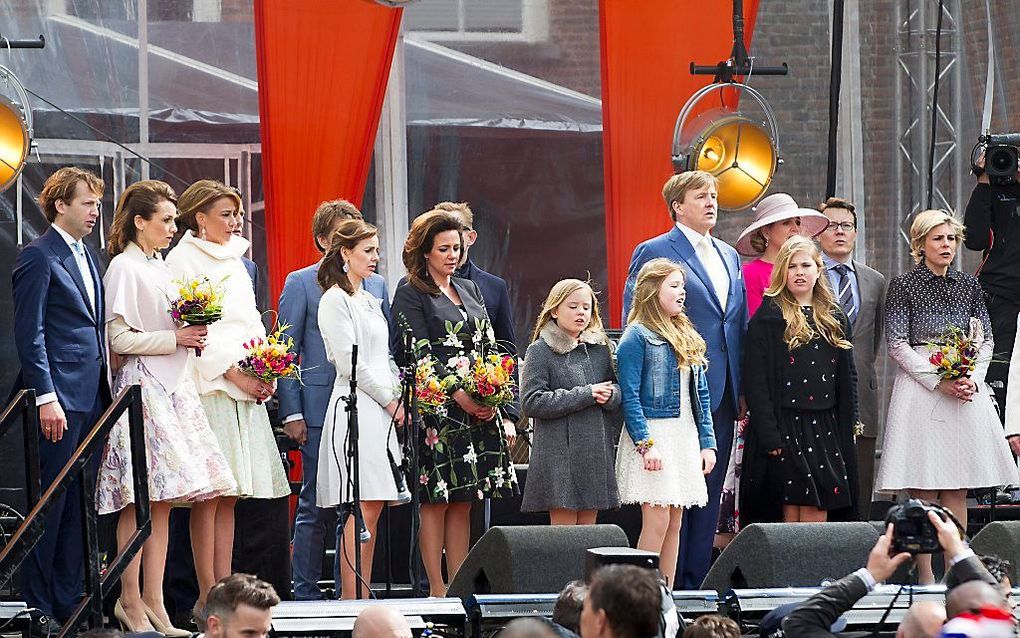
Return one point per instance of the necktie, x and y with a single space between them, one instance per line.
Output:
86 273
716 269
844 292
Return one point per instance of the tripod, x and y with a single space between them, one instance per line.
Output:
354 462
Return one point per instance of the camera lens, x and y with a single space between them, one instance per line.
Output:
1001 160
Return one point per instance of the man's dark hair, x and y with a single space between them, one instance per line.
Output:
630 596
997 567
713 626
239 589
567 611
839 202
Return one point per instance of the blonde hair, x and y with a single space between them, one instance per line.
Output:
676 187
824 308
926 221
458 209
199 198
688 345
557 295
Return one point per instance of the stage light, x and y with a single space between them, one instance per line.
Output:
15 128
743 153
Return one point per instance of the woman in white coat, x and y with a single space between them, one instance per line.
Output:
349 316
209 211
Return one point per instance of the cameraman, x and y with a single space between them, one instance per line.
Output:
992 220
814 617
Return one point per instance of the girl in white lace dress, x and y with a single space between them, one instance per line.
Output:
152 352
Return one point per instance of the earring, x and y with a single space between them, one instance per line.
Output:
201 233
346 268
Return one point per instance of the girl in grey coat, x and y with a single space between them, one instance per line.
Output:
569 388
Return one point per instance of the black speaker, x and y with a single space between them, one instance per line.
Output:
530 559
791 555
1002 539
602 556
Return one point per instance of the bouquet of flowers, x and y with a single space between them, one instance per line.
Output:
200 303
490 380
271 358
431 391
954 354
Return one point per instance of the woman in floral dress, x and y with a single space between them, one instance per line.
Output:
463 455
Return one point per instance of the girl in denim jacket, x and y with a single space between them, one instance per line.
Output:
668 445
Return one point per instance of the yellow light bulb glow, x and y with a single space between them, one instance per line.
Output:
14 142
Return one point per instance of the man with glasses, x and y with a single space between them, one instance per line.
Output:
860 290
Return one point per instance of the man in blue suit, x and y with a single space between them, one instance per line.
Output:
717 305
303 407
59 332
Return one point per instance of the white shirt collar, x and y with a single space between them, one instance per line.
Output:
65 235
694 236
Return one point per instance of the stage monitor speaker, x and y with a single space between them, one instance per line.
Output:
791 555
1002 539
597 557
530 559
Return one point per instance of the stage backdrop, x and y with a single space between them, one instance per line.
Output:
647 48
322 71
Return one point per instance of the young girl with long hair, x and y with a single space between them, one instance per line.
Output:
800 386
669 443
569 388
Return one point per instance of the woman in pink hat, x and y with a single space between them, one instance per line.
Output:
776 219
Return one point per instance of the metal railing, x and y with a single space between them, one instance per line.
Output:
82 467
23 406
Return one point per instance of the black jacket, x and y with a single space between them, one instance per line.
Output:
765 354
816 615
993 226
427 314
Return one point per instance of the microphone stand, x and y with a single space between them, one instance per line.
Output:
410 400
353 461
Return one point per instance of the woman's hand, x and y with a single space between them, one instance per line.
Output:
777 452
602 392
653 460
957 389
1014 443
192 336
707 461
509 431
256 388
396 410
472 407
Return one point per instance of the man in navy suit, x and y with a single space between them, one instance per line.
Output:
303 405
717 305
59 332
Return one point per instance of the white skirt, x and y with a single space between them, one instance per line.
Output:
680 482
935 442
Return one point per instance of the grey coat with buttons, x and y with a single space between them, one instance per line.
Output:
573 447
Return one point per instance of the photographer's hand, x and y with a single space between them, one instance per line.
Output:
880 564
949 535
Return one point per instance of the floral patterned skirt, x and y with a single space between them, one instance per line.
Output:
463 459
185 463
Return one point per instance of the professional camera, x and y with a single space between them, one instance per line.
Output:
912 531
1002 157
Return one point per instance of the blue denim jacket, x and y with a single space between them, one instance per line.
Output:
650 384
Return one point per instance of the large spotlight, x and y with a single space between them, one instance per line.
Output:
743 153
15 128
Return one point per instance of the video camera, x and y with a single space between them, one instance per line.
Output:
1002 157
912 531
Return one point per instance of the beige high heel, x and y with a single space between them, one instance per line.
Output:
125 623
167 630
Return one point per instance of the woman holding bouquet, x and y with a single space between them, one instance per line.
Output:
209 210
462 450
349 316
942 435
154 354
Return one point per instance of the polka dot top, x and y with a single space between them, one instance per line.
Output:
920 305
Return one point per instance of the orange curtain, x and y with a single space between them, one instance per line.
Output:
322 71
647 48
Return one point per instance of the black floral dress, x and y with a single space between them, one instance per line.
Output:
460 458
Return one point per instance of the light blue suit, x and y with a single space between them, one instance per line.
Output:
299 307
723 330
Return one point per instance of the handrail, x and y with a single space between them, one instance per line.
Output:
82 466
23 405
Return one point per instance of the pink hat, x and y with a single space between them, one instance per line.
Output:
777 207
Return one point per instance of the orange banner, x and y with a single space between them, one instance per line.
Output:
322 70
647 48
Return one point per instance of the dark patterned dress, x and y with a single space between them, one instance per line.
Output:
460 458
